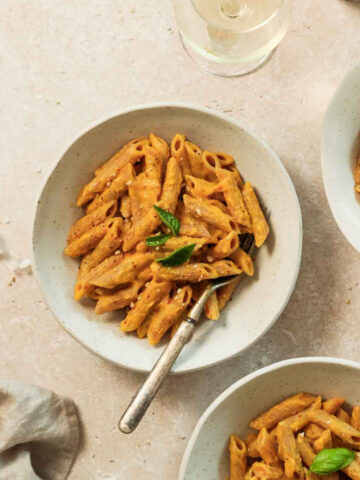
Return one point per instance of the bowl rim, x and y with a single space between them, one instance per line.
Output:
243 381
166 105
348 78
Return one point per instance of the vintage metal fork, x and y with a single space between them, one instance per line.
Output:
140 403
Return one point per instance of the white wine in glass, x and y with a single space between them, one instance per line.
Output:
231 37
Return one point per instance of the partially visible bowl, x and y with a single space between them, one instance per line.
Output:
206 455
259 301
339 149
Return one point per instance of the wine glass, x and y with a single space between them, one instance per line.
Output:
231 37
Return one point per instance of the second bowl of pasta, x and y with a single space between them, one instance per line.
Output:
161 209
296 419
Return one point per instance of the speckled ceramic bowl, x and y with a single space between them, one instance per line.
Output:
258 302
339 151
206 455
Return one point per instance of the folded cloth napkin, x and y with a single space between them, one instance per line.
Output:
39 433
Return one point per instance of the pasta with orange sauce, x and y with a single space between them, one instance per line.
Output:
282 448
160 219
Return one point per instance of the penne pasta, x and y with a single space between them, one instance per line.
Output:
202 209
333 404
266 448
125 272
91 220
243 261
211 308
288 451
312 431
344 431
168 311
153 293
196 272
324 441
224 248
259 224
278 455
300 420
143 329
263 471
233 197
179 152
224 159
105 266
250 441
182 241
343 415
135 256
119 299
225 293
144 192
117 188
139 231
125 206
127 224
198 187
87 241
225 268
355 418
305 449
237 449
236 173
353 470
216 234
250 475
108 244
282 410
172 186
82 287
160 146
194 156
210 165
131 154
151 221
135 141
217 203
191 226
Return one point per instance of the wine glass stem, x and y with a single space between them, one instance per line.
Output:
233 8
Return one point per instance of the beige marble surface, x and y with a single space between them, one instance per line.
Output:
64 64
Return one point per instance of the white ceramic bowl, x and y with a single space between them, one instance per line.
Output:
339 150
258 302
206 455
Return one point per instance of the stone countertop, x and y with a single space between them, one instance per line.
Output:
64 65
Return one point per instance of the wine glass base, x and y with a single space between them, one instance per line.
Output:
223 69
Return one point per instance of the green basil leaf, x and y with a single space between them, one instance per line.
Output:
180 256
157 240
169 219
330 460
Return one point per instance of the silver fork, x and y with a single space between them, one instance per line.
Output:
144 396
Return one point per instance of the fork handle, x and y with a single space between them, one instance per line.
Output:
144 396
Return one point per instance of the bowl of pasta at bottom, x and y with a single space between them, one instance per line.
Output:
207 454
258 301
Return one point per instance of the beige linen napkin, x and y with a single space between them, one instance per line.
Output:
39 433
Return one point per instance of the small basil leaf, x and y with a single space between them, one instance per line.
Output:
169 219
157 240
180 256
330 460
